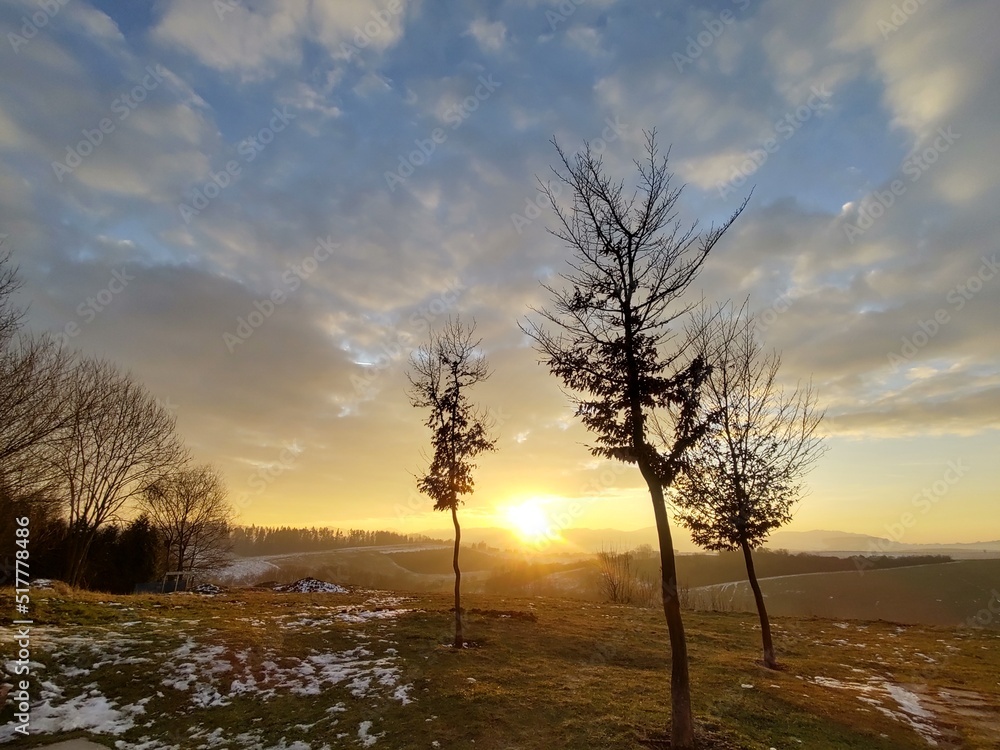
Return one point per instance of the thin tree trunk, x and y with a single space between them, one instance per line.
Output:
459 638
681 718
78 558
765 625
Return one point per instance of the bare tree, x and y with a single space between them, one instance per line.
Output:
742 479
33 374
441 375
619 582
34 379
188 509
117 442
614 348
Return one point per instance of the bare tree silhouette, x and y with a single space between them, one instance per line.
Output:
741 480
188 509
614 345
118 440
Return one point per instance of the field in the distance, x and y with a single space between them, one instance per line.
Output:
945 593
949 594
370 669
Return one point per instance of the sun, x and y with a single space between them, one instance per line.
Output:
529 520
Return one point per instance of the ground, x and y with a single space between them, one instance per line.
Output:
374 669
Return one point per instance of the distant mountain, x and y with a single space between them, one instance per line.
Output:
578 540
595 540
844 541
830 541
818 541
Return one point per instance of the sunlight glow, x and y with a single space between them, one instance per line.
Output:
529 520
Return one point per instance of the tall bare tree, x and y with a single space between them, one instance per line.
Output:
441 374
117 442
34 399
614 345
742 479
188 509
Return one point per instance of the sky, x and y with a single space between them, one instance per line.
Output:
261 207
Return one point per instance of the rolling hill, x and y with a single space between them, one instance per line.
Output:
950 594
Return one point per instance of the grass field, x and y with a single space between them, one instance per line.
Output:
949 594
370 669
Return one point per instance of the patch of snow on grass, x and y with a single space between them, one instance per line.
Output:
90 711
364 615
366 739
876 692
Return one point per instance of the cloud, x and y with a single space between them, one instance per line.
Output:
368 82
256 41
228 36
489 35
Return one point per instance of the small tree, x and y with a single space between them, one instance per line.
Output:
614 351
189 510
743 477
441 375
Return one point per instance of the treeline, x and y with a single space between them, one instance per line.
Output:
120 555
255 541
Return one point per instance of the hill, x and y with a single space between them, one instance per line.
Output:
946 594
368 669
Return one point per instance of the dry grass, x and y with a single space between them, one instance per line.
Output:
577 676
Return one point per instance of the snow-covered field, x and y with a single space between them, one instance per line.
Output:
186 663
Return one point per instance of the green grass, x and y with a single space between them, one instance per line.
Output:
577 675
